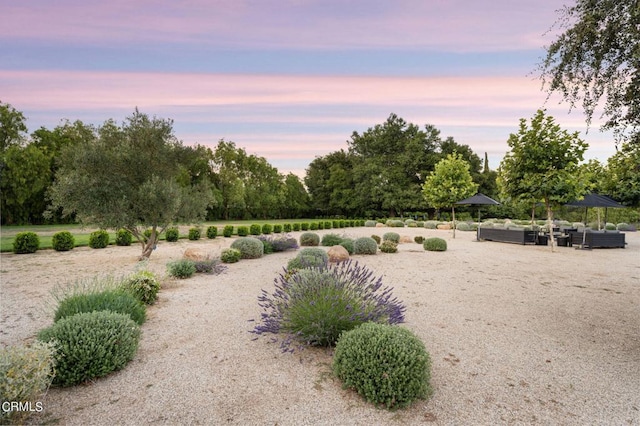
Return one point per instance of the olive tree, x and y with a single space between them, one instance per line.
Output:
449 182
542 165
128 177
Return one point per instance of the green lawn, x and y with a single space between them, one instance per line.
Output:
81 233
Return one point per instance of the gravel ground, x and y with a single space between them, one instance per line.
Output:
517 335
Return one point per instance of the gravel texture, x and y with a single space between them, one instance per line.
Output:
517 335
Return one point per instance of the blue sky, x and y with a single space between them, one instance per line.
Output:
289 79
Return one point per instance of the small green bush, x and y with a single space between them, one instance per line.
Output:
624 227
108 300
309 257
194 234
143 285
610 226
365 245
335 224
124 237
296 227
388 246
181 268
395 223
254 229
309 239
26 242
287 227
386 364
347 243
320 225
342 223
91 345
277 228
304 226
329 240
376 238
370 223
418 239
267 228
434 244
63 241
431 224
25 375
327 224
249 247
243 231
463 226
99 239
313 226
391 236
230 255
172 234
227 231
212 232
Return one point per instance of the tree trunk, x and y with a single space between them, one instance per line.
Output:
550 223
453 216
148 246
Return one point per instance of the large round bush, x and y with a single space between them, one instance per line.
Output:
108 300
386 364
434 244
63 241
26 242
308 257
99 239
329 240
365 245
309 239
313 306
347 243
249 247
391 236
91 345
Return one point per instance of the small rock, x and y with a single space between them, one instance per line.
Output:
193 254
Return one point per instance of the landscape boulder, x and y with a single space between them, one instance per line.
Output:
337 254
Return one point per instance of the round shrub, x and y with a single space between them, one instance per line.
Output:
347 243
143 285
254 229
391 236
109 300
386 364
172 234
327 224
230 255
365 245
376 238
286 227
267 228
329 240
91 345
212 232
227 231
394 223
313 226
304 226
610 226
388 246
309 257
296 227
194 234
124 237
63 241
249 247
277 228
243 231
309 239
99 239
431 224
26 242
370 223
463 226
434 244
418 239
181 268
313 306
625 227
320 225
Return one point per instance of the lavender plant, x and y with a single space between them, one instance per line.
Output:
314 306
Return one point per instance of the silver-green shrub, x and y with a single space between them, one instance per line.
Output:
370 223
391 236
365 245
309 239
25 375
308 257
431 224
463 226
434 244
388 365
91 345
395 223
329 240
249 247
115 300
181 268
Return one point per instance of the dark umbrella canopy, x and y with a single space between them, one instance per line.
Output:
479 199
595 200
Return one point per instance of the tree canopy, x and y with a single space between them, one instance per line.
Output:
596 56
128 177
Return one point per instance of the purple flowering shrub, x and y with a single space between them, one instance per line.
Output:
278 243
314 306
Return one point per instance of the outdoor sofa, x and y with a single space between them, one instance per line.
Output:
518 236
598 239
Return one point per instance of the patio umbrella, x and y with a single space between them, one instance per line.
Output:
479 200
594 200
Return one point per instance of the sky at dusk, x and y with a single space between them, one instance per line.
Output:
288 80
